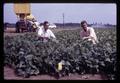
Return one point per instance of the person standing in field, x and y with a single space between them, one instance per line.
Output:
45 33
88 33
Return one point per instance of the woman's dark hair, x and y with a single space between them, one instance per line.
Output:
83 22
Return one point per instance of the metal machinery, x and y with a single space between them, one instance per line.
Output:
23 12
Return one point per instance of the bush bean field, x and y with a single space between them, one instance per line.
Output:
30 56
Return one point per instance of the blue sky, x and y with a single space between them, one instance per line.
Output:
73 12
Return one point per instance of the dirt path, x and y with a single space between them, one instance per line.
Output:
9 75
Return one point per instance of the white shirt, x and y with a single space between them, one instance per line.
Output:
89 33
43 33
37 23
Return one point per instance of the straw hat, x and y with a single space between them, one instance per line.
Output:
30 17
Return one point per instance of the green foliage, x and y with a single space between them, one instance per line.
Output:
31 56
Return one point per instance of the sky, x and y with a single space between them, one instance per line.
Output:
73 12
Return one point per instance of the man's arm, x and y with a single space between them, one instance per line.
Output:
85 38
40 31
51 34
89 37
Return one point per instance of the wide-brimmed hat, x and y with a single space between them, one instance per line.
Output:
30 17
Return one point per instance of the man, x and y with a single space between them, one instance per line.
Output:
21 24
44 33
88 33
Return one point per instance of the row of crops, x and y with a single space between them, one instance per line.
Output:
28 55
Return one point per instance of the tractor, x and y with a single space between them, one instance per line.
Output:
22 10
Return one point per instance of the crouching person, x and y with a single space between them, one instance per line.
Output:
88 33
44 33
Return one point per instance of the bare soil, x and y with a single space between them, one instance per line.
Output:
10 75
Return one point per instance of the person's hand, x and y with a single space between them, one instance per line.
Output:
45 38
84 38
89 37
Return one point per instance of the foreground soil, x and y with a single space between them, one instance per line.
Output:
10 75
